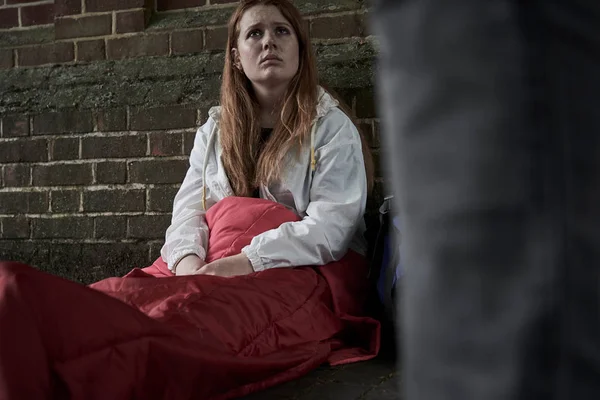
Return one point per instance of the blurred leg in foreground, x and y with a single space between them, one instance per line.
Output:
492 129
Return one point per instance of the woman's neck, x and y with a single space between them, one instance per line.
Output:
268 118
269 100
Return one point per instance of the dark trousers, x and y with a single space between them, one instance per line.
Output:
491 113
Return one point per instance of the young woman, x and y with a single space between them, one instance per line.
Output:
279 136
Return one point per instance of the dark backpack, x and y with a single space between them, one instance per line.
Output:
385 264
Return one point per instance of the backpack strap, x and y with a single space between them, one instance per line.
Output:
385 212
390 274
377 250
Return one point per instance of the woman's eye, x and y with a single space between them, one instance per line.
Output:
254 33
283 30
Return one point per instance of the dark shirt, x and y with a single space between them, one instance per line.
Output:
264 136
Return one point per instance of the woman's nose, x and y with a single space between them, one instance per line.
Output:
269 41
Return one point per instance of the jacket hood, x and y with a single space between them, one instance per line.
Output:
325 104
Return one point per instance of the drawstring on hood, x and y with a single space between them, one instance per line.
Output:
313 160
211 139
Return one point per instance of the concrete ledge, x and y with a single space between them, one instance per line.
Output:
15 38
192 79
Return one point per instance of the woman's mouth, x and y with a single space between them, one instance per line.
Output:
271 59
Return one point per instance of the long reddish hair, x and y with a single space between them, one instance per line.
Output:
245 166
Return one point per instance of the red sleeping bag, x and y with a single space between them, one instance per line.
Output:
196 337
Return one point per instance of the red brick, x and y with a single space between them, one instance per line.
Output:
63 227
7 59
91 50
163 5
148 226
185 42
165 144
158 118
216 39
138 46
64 149
160 198
70 121
364 26
110 227
157 171
16 227
65 201
67 7
16 175
338 27
15 126
188 142
37 15
110 5
46 54
132 21
111 172
116 200
9 18
24 150
113 119
76 27
306 26
114 146
23 202
62 174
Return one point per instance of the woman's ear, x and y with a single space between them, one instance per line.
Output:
235 57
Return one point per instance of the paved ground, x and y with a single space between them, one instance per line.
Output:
372 380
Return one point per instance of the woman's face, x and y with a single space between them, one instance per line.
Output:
267 47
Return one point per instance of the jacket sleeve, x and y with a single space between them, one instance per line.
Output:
338 196
188 232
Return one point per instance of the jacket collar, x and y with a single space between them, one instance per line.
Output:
325 104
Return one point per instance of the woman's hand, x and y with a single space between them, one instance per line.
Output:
189 265
228 266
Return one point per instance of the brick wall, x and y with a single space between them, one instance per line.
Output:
99 103
25 13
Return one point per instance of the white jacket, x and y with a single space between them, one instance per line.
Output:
331 200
